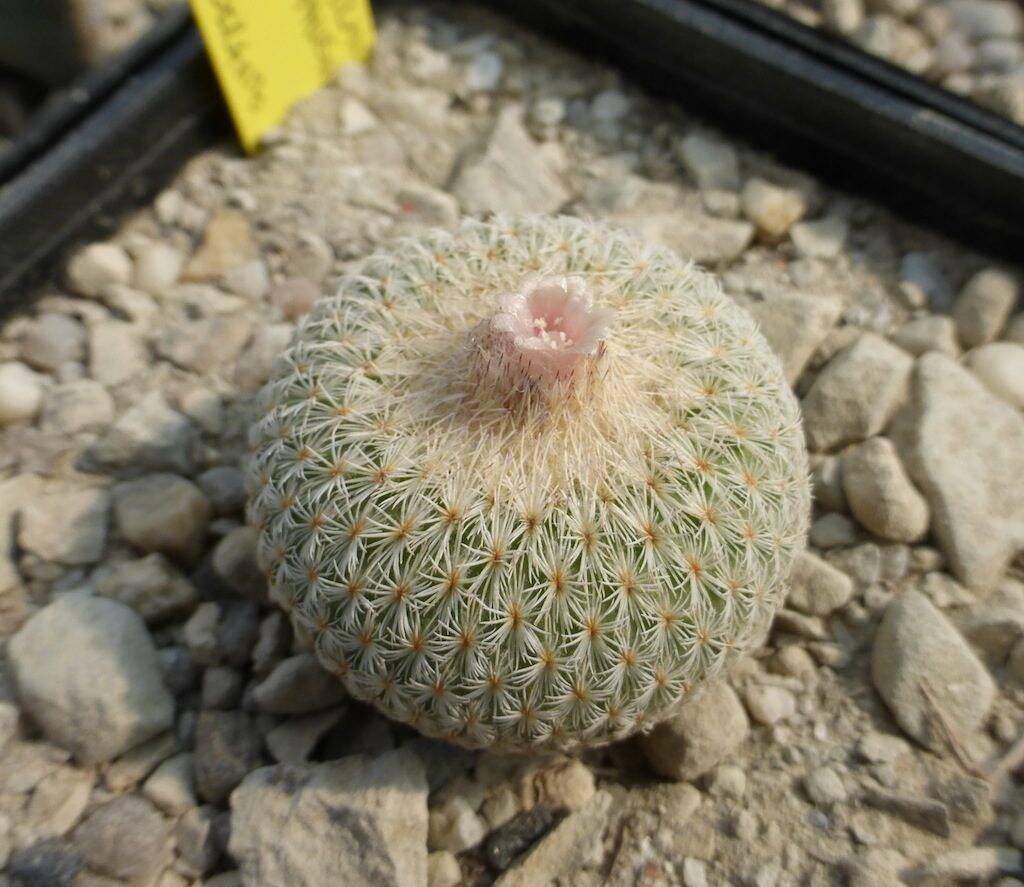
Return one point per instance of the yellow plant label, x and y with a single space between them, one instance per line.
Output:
268 54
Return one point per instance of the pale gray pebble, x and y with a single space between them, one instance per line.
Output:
178 669
880 493
150 585
298 685
273 643
157 266
221 687
825 787
164 513
833 531
79 405
235 563
150 436
87 672
224 486
117 352
21 392
201 835
984 305
237 631
199 633
699 737
228 746
66 524
125 838
53 340
172 785
97 267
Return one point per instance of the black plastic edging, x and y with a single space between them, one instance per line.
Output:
853 119
84 173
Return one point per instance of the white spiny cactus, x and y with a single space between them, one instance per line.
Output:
529 483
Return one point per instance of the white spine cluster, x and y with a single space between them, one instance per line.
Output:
507 556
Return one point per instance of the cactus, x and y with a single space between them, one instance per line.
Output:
528 484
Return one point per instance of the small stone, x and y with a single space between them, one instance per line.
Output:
125 838
703 733
87 672
983 306
1000 366
157 266
148 437
567 785
99 266
151 586
695 872
924 271
163 513
204 407
58 802
227 748
66 525
484 71
272 643
772 208
178 669
234 561
923 669
52 341
932 332
795 324
994 625
728 781
352 821
221 687
355 117
21 393
294 296
833 531
816 587
976 864
227 244
548 112
136 764
309 256
793 661
116 352
875 867
696 236
454 826
609 105
48 863
443 869
224 487
843 16
769 704
964 450
293 741
82 405
1004 95
710 162
198 842
881 748
171 786
237 632
880 494
824 787
978 19
298 685
745 826
856 393
923 813
257 360
508 173
206 345
251 280
821 239
200 633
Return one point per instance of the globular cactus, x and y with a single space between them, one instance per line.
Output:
528 484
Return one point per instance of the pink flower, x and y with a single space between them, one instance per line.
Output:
550 326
